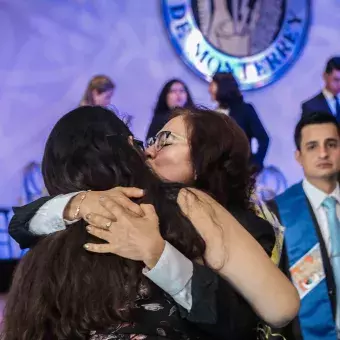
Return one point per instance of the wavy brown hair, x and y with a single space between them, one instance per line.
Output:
228 92
61 291
220 156
99 83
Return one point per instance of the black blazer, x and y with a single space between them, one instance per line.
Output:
246 117
217 309
19 225
294 327
317 103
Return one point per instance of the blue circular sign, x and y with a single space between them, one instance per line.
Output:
257 40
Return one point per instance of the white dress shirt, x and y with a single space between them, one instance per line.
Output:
331 100
224 111
316 197
172 273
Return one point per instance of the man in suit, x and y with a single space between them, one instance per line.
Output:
328 100
310 212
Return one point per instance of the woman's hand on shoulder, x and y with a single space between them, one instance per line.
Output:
127 234
203 212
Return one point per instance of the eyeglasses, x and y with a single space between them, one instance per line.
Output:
162 139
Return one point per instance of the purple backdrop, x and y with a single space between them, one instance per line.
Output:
49 50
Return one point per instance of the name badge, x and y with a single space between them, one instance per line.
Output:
308 271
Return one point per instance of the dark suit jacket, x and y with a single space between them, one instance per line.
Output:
246 117
317 103
293 330
217 309
19 224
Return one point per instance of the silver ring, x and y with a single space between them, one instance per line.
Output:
108 225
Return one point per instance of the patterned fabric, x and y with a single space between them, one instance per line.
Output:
154 319
263 212
265 332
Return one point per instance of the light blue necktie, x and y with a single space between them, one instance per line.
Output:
334 229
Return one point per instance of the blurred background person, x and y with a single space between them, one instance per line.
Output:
270 182
32 188
99 91
33 183
175 93
328 100
225 91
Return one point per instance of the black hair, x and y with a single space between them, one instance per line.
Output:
312 119
332 64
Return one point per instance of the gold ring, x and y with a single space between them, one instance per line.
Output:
108 225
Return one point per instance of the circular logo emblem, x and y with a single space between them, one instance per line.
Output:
257 40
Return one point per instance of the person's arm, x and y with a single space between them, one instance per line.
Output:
50 214
191 285
19 226
258 132
41 217
210 302
244 262
173 271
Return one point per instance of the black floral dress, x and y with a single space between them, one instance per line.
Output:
154 318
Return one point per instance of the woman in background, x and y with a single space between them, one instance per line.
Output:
174 94
99 91
225 91
33 183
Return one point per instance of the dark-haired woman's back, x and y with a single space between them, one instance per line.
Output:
62 291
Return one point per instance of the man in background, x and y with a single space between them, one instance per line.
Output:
328 100
310 212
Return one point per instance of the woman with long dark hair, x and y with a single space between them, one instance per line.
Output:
175 93
225 91
243 263
61 291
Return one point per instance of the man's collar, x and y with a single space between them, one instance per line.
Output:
317 196
329 95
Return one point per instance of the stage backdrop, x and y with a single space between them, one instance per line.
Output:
50 49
